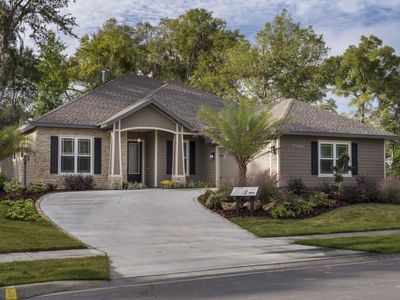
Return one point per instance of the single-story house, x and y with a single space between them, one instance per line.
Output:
139 129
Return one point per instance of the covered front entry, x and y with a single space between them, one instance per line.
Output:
149 147
135 162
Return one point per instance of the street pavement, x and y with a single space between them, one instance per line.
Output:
368 280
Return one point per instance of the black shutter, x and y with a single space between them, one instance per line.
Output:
169 157
354 159
314 158
54 155
97 156
192 158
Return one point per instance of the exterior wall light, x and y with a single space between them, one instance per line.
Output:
212 155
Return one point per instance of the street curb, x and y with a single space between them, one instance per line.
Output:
61 287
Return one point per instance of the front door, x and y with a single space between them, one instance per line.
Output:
134 162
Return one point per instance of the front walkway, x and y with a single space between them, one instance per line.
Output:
158 232
58 254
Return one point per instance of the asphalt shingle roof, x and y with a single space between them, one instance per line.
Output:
308 119
116 97
102 102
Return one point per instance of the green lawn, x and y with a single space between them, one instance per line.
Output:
389 243
19 236
89 268
361 217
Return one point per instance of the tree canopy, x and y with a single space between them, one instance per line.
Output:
287 61
18 16
118 49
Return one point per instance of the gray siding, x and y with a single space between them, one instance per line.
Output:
295 159
148 117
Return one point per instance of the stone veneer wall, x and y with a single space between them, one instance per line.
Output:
42 154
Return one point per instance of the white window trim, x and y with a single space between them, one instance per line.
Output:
186 143
75 155
334 143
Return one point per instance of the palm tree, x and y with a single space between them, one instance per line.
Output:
12 141
241 129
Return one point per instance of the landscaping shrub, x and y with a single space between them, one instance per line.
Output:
328 188
13 188
281 210
125 185
22 210
296 186
3 179
267 186
206 195
390 190
136 186
78 183
365 190
322 200
215 200
294 206
51 187
35 187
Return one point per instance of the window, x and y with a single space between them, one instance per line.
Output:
186 156
330 156
76 155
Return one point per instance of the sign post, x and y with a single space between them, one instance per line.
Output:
249 192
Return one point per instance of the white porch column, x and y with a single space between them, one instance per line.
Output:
178 172
155 158
116 159
217 167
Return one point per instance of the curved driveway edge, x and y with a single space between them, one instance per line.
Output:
158 232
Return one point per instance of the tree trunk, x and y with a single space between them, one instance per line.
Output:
242 174
5 56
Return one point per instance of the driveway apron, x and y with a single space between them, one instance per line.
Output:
159 232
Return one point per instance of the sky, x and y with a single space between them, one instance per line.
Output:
341 22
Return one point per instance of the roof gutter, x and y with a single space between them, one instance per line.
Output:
349 135
31 125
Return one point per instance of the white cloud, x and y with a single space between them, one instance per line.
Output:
342 22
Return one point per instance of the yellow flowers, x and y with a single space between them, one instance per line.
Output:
167 184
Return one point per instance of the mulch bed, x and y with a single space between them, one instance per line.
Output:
24 196
244 212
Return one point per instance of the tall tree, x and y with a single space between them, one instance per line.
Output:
286 62
118 49
20 92
242 130
54 81
361 73
178 47
17 16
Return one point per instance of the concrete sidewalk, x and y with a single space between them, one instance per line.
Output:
40 255
339 235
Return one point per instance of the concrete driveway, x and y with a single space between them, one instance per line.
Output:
160 232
